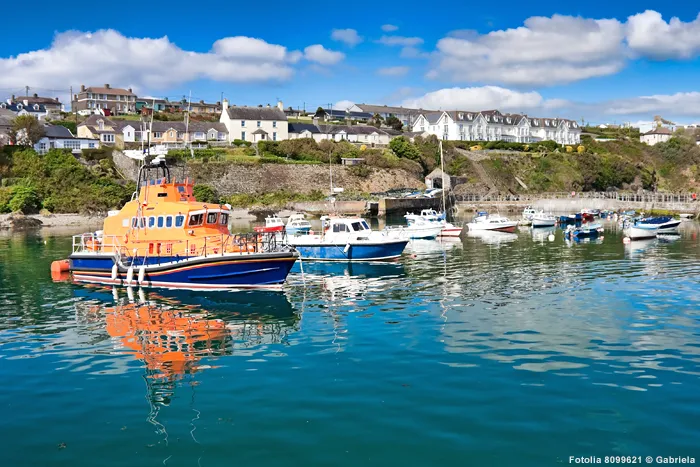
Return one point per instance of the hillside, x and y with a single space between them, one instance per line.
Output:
620 164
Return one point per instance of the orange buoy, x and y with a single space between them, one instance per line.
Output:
60 270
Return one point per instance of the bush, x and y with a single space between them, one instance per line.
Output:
5 197
240 142
205 194
96 154
361 171
24 199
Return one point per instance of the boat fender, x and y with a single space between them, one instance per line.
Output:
129 275
142 274
60 266
346 249
626 240
114 272
550 237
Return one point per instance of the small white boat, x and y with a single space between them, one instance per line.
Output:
273 223
417 228
297 224
528 212
433 217
494 223
540 219
669 227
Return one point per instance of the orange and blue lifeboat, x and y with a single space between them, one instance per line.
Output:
164 237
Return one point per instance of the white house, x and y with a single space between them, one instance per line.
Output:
492 125
303 130
254 124
656 135
58 137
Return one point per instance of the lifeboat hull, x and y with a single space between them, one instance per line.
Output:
217 272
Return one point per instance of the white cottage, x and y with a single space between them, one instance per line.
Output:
254 124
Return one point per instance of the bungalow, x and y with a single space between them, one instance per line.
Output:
254 124
202 107
303 130
59 137
177 134
354 133
329 115
656 135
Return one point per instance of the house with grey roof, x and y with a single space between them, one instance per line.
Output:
302 130
254 124
59 137
92 99
405 115
6 117
656 135
337 115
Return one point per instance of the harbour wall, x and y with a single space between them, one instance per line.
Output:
576 205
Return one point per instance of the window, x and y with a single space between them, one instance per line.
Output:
42 147
91 145
172 134
243 135
179 221
180 135
274 124
101 125
212 217
274 136
339 228
134 222
161 222
71 144
107 138
151 222
223 219
196 219
364 224
242 122
125 223
259 123
168 221
199 135
157 134
142 223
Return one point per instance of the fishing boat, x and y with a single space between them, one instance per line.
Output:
433 217
347 239
540 219
164 237
494 222
273 224
584 231
297 225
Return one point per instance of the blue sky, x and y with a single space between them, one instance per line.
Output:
595 60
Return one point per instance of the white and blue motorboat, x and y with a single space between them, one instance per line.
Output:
584 231
650 227
347 239
297 225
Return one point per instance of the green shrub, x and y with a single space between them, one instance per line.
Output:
362 170
205 194
96 154
5 197
240 142
24 199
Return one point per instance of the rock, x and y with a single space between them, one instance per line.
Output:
18 221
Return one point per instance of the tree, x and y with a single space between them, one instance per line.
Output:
376 121
394 123
404 149
26 130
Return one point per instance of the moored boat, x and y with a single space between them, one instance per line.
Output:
347 239
297 224
416 229
273 224
584 231
163 237
650 227
540 219
494 222
433 217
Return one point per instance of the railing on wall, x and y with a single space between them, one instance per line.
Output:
623 197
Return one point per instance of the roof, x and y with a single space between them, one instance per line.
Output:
110 90
19 106
350 129
91 123
57 131
35 99
659 131
342 114
392 132
433 117
302 127
255 113
379 109
260 131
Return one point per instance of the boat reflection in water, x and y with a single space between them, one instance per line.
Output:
353 280
431 247
541 234
491 237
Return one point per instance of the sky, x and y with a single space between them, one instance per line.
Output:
599 61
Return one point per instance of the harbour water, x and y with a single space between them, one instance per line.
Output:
489 350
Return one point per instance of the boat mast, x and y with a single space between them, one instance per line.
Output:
442 170
187 125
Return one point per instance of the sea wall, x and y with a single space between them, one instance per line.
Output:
228 177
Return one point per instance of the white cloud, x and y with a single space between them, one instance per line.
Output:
477 98
544 51
389 28
400 41
413 52
319 54
650 36
679 104
343 105
393 71
347 36
106 56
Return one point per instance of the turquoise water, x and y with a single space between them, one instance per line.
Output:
505 350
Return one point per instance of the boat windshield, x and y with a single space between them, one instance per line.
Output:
364 224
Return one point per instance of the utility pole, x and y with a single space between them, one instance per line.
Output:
26 91
304 108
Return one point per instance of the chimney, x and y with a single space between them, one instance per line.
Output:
82 88
268 106
280 106
36 95
106 86
225 106
201 102
13 98
130 90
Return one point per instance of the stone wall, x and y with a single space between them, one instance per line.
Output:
229 178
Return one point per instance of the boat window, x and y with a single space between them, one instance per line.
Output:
223 220
196 219
212 217
142 223
179 221
364 224
125 223
181 189
134 222
160 222
356 226
151 222
339 228
169 221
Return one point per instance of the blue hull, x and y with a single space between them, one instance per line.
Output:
220 272
375 252
581 234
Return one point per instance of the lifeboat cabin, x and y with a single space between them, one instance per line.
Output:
164 237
